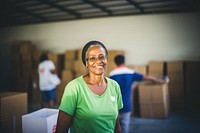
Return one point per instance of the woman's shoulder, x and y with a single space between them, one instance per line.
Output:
113 86
76 82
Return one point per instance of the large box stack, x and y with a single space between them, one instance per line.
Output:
12 105
153 100
69 59
192 73
67 73
40 121
175 73
58 61
156 68
15 61
36 97
142 69
79 67
111 64
21 57
66 77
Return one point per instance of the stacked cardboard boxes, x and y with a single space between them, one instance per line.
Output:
66 77
192 73
36 97
12 106
153 100
69 59
142 69
156 68
21 60
58 61
175 73
67 73
79 67
111 64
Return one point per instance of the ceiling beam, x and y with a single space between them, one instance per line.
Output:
136 5
61 8
98 6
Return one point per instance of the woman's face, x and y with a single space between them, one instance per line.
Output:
96 60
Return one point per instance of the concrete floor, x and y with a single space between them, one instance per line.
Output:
182 121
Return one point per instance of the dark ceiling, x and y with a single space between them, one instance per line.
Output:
23 12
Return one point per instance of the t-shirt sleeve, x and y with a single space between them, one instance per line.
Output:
69 99
138 76
51 65
119 97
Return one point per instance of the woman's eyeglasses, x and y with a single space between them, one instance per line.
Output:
94 59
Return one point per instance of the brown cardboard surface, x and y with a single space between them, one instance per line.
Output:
154 100
157 66
13 106
175 67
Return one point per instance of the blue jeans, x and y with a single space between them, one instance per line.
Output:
124 119
48 95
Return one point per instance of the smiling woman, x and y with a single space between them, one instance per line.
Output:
79 109
94 59
96 63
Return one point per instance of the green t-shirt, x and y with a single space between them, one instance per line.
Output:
91 113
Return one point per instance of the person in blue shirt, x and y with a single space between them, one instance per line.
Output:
125 77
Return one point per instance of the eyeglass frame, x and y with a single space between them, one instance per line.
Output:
95 58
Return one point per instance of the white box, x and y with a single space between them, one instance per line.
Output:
40 121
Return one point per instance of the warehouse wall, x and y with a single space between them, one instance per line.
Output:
142 37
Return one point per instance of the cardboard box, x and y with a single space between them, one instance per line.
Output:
69 64
13 106
153 100
139 69
79 66
58 60
22 46
71 54
192 86
175 67
40 121
66 76
156 68
175 72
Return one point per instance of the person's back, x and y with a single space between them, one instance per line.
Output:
125 78
48 89
44 70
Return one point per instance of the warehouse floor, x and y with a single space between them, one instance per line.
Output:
183 121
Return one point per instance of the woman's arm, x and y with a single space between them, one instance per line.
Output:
117 126
63 123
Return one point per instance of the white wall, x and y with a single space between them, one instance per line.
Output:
143 37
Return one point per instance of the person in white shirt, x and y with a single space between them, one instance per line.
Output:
47 88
